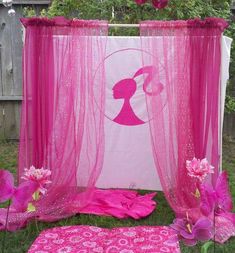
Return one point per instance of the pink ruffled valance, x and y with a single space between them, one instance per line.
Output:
210 22
62 21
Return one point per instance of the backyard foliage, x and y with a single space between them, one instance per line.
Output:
129 11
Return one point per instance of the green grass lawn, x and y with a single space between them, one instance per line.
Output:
20 241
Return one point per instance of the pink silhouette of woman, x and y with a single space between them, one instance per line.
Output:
126 88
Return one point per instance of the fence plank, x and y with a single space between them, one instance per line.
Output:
1 121
6 54
11 119
229 125
1 86
17 44
11 98
11 67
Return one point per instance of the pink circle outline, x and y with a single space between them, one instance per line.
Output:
103 61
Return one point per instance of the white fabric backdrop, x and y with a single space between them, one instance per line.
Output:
128 161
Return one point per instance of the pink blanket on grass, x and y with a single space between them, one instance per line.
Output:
89 239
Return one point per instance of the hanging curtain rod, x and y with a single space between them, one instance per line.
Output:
124 25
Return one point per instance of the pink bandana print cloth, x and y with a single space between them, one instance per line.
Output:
89 239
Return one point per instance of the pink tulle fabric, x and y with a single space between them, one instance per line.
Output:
87 239
185 116
62 124
62 128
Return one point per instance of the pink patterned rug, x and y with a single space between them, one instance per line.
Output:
88 239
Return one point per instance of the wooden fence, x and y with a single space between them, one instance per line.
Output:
11 67
10 70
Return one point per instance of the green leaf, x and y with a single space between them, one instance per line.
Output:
31 208
36 195
206 246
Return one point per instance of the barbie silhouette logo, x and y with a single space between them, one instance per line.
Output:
125 89
128 84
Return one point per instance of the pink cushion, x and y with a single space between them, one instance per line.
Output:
88 239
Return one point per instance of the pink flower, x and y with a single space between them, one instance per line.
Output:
39 176
190 233
160 4
141 1
20 196
216 199
23 195
6 185
199 168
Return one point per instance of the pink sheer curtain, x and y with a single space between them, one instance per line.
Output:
62 125
185 119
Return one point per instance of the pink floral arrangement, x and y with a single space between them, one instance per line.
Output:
199 168
215 207
158 4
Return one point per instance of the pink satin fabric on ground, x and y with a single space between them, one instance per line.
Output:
87 239
120 204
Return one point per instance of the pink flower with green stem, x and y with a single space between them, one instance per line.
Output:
18 197
198 169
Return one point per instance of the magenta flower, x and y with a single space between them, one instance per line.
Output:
23 195
6 185
217 199
40 176
199 168
141 1
160 4
191 233
19 196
